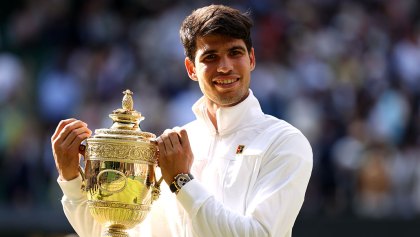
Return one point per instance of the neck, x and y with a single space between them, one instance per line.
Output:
211 112
213 107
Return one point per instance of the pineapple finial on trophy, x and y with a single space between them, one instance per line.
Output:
127 101
126 117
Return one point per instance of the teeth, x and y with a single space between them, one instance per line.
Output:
226 81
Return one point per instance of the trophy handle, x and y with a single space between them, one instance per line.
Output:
82 147
82 173
156 189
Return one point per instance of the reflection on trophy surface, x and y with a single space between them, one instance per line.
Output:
119 177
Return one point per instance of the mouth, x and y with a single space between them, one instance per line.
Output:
225 82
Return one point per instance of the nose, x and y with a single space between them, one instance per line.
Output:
225 65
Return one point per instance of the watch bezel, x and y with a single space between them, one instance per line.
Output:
179 181
182 179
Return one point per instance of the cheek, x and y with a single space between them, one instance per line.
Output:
204 76
202 71
204 83
202 87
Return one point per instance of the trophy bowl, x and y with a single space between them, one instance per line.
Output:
119 175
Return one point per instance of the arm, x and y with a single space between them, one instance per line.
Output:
274 199
75 208
65 146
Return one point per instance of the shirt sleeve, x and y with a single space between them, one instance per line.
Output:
274 201
75 208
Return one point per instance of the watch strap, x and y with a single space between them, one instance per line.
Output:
173 187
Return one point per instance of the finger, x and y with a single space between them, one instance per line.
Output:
177 129
185 141
73 134
167 142
161 147
61 126
167 131
174 138
78 139
68 129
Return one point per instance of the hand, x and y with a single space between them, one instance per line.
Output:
175 155
65 146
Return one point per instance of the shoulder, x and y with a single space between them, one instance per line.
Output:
193 126
280 129
284 138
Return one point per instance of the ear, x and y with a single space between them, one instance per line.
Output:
189 65
252 59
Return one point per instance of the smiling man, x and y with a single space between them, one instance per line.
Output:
234 171
250 170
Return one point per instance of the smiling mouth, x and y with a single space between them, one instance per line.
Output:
226 82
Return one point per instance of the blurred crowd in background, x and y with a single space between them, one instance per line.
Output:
346 73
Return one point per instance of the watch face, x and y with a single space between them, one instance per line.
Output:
182 179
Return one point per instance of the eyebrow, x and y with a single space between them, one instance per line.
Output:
211 51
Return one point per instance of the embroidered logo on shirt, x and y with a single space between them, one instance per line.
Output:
240 149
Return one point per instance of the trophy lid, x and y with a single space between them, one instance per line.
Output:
126 122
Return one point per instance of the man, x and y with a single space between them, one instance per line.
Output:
238 171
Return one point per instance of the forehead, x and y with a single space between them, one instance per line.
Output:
217 43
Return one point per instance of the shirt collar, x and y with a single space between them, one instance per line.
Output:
232 118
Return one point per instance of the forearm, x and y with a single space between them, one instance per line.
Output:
75 208
210 218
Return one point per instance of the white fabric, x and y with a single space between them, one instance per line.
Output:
258 192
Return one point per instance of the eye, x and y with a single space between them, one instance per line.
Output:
210 57
236 53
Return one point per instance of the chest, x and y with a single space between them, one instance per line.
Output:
228 167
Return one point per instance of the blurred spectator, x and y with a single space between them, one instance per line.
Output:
407 60
389 116
373 196
11 76
347 153
59 94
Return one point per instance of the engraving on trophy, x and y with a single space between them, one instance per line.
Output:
111 181
122 151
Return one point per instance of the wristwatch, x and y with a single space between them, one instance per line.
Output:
179 181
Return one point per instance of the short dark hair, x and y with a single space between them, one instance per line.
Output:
215 20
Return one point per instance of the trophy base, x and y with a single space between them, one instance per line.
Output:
115 231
